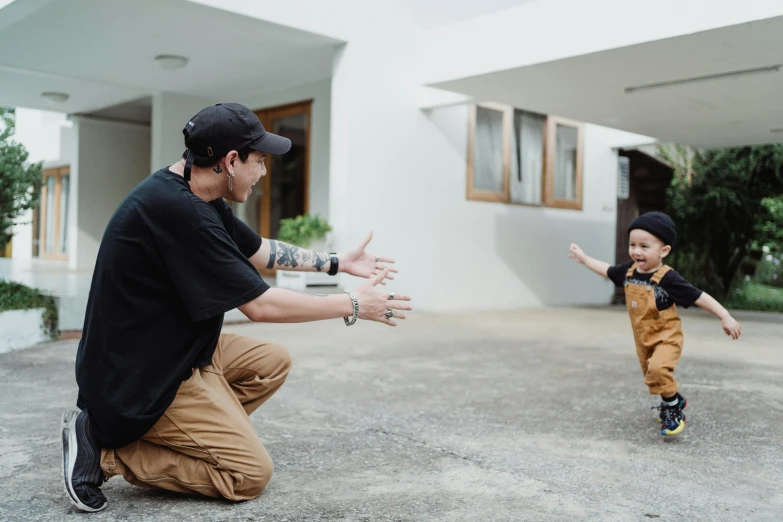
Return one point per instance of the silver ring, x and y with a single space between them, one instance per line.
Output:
377 258
389 314
391 296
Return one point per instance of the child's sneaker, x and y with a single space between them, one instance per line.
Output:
672 419
681 404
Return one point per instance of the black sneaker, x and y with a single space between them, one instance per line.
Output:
681 403
82 474
672 419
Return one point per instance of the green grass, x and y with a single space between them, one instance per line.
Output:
16 296
756 297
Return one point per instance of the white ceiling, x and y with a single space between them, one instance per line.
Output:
591 88
432 13
139 111
102 52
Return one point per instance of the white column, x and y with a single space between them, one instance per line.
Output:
170 112
23 238
112 159
376 178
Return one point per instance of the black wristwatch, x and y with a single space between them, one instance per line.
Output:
334 265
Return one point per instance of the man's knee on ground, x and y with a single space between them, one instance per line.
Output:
255 479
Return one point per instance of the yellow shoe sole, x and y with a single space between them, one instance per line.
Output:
675 431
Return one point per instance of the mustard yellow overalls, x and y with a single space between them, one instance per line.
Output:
658 335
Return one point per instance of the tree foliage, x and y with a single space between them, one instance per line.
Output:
721 206
20 182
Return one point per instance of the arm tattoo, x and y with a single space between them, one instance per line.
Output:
272 252
288 255
283 255
319 261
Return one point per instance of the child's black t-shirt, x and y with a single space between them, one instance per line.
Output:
674 289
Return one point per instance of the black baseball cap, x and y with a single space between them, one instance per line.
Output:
223 127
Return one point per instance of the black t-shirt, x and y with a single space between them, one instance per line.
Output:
169 266
674 289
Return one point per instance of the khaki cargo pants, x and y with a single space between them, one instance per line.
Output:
205 443
658 335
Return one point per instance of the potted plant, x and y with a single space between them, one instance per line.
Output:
305 231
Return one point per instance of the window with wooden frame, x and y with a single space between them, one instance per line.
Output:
525 158
52 219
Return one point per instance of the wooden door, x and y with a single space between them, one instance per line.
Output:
285 189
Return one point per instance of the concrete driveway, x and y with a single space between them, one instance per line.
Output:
536 415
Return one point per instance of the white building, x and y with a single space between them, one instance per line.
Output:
452 128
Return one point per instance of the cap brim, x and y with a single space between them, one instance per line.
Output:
272 144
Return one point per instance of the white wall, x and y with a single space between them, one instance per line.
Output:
320 93
112 159
170 113
493 255
548 30
41 132
402 171
377 176
23 238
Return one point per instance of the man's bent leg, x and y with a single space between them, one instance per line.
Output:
254 369
204 443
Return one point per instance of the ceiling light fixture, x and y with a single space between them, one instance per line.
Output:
171 62
55 97
698 79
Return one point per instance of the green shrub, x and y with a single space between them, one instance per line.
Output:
770 269
303 230
16 296
753 296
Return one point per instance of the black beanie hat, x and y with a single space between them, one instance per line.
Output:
658 224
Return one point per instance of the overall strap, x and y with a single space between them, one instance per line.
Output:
630 272
657 276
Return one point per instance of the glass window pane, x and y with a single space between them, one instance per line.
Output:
50 186
64 214
565 162
527 161
288 172
488 150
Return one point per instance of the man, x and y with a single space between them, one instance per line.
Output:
164 396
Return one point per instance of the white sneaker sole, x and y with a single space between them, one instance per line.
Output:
69 448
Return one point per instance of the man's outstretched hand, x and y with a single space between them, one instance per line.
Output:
360 263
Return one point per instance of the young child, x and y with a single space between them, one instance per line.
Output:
652 293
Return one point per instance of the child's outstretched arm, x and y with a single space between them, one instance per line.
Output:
730 325
599 267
